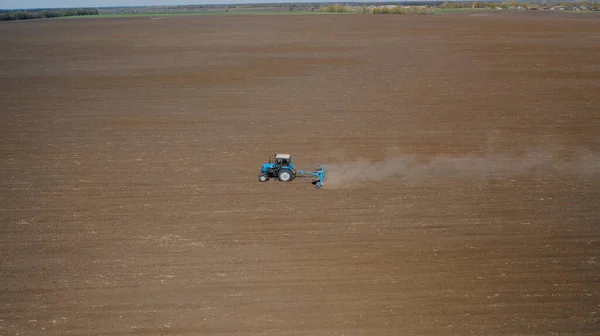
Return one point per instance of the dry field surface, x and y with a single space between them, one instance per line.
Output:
463 155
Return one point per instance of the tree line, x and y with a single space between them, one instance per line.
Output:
590 5
393 8
45 13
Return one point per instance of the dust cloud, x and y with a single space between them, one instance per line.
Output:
583 163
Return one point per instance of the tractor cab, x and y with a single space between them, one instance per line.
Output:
282 160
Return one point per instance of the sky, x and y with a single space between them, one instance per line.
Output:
24 4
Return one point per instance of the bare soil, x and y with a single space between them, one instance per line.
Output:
130 150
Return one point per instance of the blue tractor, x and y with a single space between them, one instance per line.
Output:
280 166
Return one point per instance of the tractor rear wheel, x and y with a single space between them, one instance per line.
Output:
263 177
285 175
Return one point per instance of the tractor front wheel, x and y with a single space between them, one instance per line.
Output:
263 178
285 175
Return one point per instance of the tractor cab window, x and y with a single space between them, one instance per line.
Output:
282 160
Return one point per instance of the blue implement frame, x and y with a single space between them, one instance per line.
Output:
318 175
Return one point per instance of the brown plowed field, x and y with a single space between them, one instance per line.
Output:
463 194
